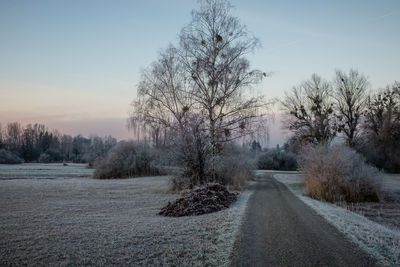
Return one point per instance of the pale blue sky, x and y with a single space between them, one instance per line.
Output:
73 65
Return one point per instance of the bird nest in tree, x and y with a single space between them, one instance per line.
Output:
209 198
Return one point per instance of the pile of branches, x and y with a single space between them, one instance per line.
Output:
209 198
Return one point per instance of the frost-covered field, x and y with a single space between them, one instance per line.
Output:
377 239
392 181
43 171
82 221
392 184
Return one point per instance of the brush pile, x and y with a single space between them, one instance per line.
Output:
209 198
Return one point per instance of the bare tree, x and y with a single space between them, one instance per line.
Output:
213 49
14 136
350 96
309 111
382 114
382 128
203 84
1 137
66 147
164 96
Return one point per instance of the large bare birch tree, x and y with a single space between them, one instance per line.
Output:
205 79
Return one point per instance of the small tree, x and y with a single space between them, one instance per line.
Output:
1 137
350 96
13 136
309 111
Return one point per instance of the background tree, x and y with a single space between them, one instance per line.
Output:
66 147
28 143
164 97
309 111
13 136
350 94
1 137
382 129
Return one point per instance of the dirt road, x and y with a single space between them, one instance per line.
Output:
280 230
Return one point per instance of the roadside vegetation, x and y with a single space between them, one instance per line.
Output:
338 173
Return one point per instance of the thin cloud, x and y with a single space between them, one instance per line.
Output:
380 17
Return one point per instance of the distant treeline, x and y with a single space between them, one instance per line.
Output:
36 143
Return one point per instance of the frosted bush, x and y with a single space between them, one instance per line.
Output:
127 159
7 157
338 173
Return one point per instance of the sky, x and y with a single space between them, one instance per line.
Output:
75 65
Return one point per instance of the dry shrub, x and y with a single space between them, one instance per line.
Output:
233 170
127 159
338 173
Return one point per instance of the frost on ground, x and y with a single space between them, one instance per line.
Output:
44 171
380 241
80 221
385 213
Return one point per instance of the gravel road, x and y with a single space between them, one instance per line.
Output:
280 230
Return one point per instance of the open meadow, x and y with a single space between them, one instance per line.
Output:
52 214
